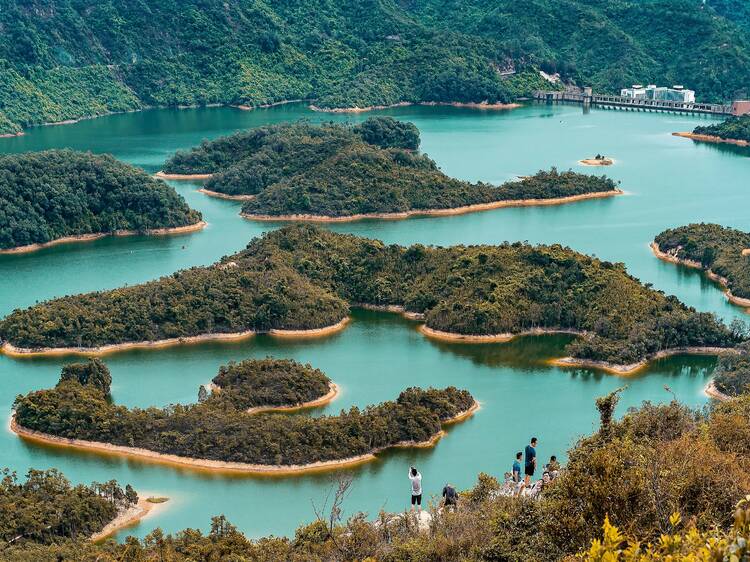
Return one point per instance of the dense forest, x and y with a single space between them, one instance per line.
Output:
46 507
732 373
304 277
270 382
58 193
63 59
715 248
219 428
335 170
663 480
734 128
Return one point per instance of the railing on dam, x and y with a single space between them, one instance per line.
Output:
639 104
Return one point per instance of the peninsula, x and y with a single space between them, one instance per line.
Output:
735 130
219 433
305 278
59 196
721 252
333 172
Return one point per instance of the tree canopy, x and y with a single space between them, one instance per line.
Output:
58 193
304 277
219 428
734 128
79 59
714 247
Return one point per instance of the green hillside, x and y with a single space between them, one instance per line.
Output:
65 59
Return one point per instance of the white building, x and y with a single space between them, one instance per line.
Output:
676 93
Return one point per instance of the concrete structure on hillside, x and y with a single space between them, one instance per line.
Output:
659 93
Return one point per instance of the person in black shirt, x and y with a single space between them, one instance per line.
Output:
530 464
450 496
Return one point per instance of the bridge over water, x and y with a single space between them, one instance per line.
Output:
605 101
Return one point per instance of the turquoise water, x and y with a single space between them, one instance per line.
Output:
669 180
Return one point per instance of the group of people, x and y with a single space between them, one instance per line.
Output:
551 469
514 482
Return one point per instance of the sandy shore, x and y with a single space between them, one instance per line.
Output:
223 466
470 105
333 392
11 350
633 368
746 252
437 212
711 138
128 517
490 338
90 237
595 162
265 105
394 308
225 196
165 176
723 281
10 135
712 392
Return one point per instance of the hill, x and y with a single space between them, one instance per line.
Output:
65 60
306 278
56 194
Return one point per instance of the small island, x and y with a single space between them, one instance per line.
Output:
597 160
735 130
731 376
334 172
302 280
59 196
721 252
45 508
219 433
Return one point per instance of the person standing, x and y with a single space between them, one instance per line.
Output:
416 488
517 467
530 463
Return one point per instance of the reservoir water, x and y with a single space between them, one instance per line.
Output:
670 181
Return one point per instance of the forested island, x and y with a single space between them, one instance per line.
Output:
664 481
722 252
345 172
62 195
305 278
735 130
82 60
46 508
218 431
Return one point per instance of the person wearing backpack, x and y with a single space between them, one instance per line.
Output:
450 496
416 488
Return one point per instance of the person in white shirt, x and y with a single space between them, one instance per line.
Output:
416 488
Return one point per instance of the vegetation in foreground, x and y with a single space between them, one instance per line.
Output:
734 128
716 248
304 277
664 481
335 170
71 59
219 428
46 508
57 193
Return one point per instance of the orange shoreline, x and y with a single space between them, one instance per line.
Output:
470 105
437 212
90 237
333 393
633 368
491 338
165 176
128 518
12 351
595 162
712 392
225 196
225 466
711 138
723 281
